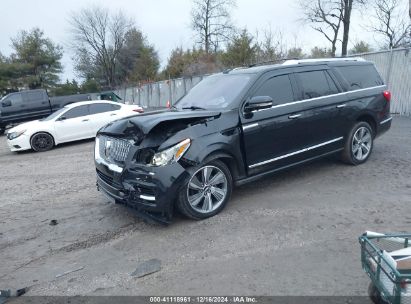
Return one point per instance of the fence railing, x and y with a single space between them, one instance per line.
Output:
394 66
159 94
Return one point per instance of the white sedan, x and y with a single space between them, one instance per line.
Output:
75 121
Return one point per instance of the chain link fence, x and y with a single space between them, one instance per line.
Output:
159 94
394 66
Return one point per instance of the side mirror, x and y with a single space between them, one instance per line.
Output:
6 103
258 103
62 118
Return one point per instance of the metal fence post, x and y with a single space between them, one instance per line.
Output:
170 95
390 67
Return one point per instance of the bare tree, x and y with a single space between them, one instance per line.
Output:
98 37
329 16
390 24
325 16
211 20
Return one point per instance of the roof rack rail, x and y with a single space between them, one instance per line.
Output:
270 61
299 61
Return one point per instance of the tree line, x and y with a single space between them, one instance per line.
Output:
110 51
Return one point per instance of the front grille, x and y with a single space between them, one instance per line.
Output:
114 149
108 180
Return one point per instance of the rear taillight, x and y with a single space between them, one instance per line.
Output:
138 110
404 284
387 95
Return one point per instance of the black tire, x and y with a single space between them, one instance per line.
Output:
2 130
355 143
210 189
375 294
41 142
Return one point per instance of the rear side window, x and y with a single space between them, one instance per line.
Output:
100 108
77 112
278 88
316 84
115 107
360 76
34 96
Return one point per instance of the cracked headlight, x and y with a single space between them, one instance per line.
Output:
13 135
170 155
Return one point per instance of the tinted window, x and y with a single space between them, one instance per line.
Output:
316 84
34 96
15 99
361 76
115 107
77 112
100 108
278 88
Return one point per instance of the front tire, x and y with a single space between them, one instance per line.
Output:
41 142
359 144
207 191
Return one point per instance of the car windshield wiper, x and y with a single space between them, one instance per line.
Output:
193 108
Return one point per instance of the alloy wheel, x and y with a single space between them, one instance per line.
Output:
42 142
207 189
361 143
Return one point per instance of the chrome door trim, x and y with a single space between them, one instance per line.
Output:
250 126
319 98
385 121
295 153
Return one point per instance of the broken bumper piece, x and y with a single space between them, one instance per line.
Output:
149 191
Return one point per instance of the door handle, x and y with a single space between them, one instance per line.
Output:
341 106
114 114
294 116
85 120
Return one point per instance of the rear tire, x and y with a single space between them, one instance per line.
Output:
207 191
41 142
375 295
359 144
2 130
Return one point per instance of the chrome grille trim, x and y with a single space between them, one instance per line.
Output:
113 149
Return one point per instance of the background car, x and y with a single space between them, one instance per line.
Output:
73 122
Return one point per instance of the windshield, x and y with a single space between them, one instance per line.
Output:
54 115
214 92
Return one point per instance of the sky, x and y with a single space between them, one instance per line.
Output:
166 23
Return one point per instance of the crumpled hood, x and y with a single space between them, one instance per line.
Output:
147 121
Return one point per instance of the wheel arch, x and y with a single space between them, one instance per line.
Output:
370 119
228 159
47 132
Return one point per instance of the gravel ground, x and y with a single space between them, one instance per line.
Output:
294 233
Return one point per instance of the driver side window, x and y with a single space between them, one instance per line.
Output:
278 88
77 112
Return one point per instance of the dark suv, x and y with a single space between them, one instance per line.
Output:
238 126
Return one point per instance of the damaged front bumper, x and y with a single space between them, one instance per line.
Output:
151 191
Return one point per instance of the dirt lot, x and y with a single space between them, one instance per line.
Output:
291 234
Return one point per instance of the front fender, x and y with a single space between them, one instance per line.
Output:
218 146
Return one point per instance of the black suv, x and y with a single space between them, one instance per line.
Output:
238 126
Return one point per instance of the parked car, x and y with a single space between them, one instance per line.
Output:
238 126
76 121
34 104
